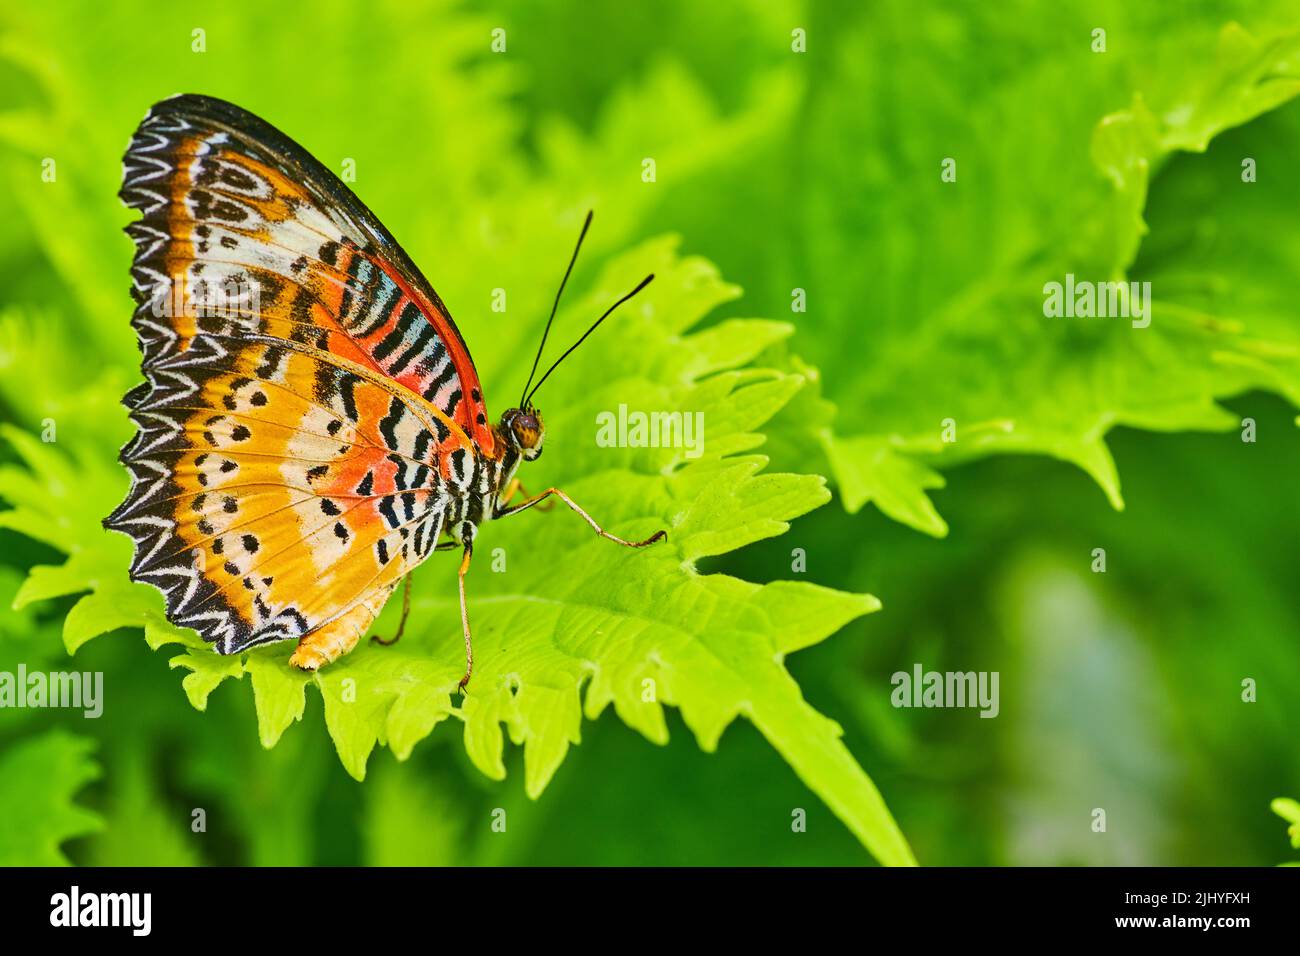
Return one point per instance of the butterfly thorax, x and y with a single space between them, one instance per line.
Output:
479 481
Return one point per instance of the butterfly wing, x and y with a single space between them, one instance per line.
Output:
275 489
294 432
230 202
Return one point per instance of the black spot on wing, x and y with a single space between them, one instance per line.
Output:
399 472
347 392
381 308
393 340
432 389
388 512
388 424
427 334
272 359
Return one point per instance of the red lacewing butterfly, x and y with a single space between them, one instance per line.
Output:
311 426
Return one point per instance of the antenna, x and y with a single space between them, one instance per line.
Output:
546 331
644 282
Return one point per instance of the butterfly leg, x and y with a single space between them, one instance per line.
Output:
464 617
516 487
401 625
502 512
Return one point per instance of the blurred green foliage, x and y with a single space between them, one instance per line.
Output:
817 171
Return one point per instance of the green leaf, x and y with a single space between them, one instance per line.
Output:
1289 810
115 603
956 359
39 777
869 468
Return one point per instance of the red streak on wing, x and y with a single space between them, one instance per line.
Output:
468 410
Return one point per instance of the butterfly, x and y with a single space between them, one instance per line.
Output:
311 426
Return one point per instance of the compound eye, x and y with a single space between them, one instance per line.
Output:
526 429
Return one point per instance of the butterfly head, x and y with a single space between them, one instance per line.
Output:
525 430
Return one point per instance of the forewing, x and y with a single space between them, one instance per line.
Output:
245 233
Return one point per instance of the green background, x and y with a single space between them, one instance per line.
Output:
817 170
